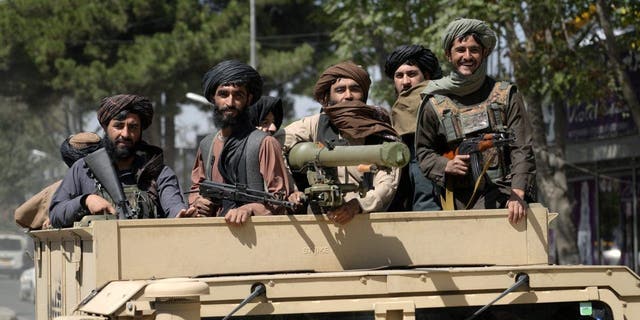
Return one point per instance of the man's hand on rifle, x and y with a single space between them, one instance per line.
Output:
241 214
516 205
98 205
458 166
190 212
345 212
298 198
204 207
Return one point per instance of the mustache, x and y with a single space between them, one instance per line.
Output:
124 140
225 108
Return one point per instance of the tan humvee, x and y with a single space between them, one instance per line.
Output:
414 265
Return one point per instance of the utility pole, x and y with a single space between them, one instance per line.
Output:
252 40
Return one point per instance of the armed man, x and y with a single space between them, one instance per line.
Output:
467 108
411 67
238 154
151 187
342 91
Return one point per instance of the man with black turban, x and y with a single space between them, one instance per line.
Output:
345 119
266 114
237 154
467 104
151 187
411 67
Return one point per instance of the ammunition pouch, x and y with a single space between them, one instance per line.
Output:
463 122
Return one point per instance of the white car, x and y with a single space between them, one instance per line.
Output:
13 259
28 285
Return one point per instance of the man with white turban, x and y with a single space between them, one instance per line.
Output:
468 104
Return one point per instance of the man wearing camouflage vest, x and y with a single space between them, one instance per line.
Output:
466 106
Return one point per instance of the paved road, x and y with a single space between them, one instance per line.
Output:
9 288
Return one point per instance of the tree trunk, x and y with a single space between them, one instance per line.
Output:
551 177
169 136
614 56
552 184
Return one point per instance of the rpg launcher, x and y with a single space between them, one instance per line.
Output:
104 172
474 147
240 193
325 191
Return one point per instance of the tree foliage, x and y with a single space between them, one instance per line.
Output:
59 58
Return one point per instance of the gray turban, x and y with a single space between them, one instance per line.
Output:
422 57
232 72
463 26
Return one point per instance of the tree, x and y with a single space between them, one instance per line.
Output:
87 50
58 59
370 30
28 155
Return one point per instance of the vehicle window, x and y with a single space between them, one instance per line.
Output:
364 315
549 311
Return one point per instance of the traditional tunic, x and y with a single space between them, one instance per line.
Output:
385 184
272 168
66 207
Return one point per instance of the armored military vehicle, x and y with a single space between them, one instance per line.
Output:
407 265
404 265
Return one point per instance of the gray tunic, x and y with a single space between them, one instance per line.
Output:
66 208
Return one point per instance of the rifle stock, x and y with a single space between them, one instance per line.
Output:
102 169
240 193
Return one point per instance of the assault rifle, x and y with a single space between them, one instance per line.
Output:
240 193
325 191
103 171
474 148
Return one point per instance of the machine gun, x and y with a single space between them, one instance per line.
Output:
103 171
240 193
325 191
474 148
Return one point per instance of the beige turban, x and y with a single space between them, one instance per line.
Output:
346 69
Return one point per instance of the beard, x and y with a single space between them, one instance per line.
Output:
221 121
119 152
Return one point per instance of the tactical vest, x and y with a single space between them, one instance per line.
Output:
250 174
142 202
460 122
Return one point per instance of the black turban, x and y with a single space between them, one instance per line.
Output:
231 72
346 69
112 106
78 146
259 110
418 55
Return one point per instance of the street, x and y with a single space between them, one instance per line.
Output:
9 288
